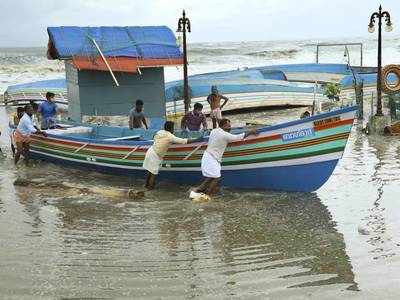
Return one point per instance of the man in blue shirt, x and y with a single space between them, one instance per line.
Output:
48 111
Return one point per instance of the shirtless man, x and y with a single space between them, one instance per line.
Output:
214 99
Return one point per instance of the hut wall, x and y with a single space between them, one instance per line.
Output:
94 92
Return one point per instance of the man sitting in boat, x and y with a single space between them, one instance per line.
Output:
48 110
194 119
18 115
214 99
155 154
136 116
305 114
212 157
35 117
22 134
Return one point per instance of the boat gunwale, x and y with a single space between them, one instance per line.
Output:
264 129
184 148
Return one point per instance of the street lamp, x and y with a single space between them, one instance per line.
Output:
183 25
371 28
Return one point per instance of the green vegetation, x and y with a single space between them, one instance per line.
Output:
332 91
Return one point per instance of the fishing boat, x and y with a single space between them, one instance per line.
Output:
295 156
20 94
108 66
248 88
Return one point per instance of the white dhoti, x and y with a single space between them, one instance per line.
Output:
216 113
210 167
152 162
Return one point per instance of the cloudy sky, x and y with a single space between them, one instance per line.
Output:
24 22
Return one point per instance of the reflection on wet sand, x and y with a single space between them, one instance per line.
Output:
376 219
238 245
70 243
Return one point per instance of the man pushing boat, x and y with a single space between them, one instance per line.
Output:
212 157
155 154
214 99
22 134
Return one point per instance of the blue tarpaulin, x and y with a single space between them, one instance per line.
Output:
139 42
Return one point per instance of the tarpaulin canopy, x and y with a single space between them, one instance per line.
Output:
126 48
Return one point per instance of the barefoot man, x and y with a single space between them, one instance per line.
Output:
212 157
155 154
214 99
22 134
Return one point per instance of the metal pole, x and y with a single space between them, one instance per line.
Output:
372 103
379 74
361 109
185 71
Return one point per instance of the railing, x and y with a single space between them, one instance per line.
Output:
319 45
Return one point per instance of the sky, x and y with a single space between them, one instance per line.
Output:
23 23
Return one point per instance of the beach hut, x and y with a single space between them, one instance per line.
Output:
108 68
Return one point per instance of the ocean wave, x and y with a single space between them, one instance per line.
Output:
204 51
290 53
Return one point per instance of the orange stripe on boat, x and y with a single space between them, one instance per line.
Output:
179 148
122 64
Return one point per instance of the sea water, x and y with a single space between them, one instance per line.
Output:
341 241
20 65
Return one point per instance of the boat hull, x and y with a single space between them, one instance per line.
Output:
294 156
280 178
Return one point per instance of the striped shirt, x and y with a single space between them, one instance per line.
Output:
193 121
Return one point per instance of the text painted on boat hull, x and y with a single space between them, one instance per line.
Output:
298 134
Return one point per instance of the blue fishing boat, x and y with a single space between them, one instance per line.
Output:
295 156
20 94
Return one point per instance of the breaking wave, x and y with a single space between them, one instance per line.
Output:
275 54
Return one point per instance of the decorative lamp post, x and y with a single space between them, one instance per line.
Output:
371 28
183 26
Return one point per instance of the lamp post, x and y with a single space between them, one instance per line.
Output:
183 26
371 28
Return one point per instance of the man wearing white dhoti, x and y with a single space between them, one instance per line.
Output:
212 157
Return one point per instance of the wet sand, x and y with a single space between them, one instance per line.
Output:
339 242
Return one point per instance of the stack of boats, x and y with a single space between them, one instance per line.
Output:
248 88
